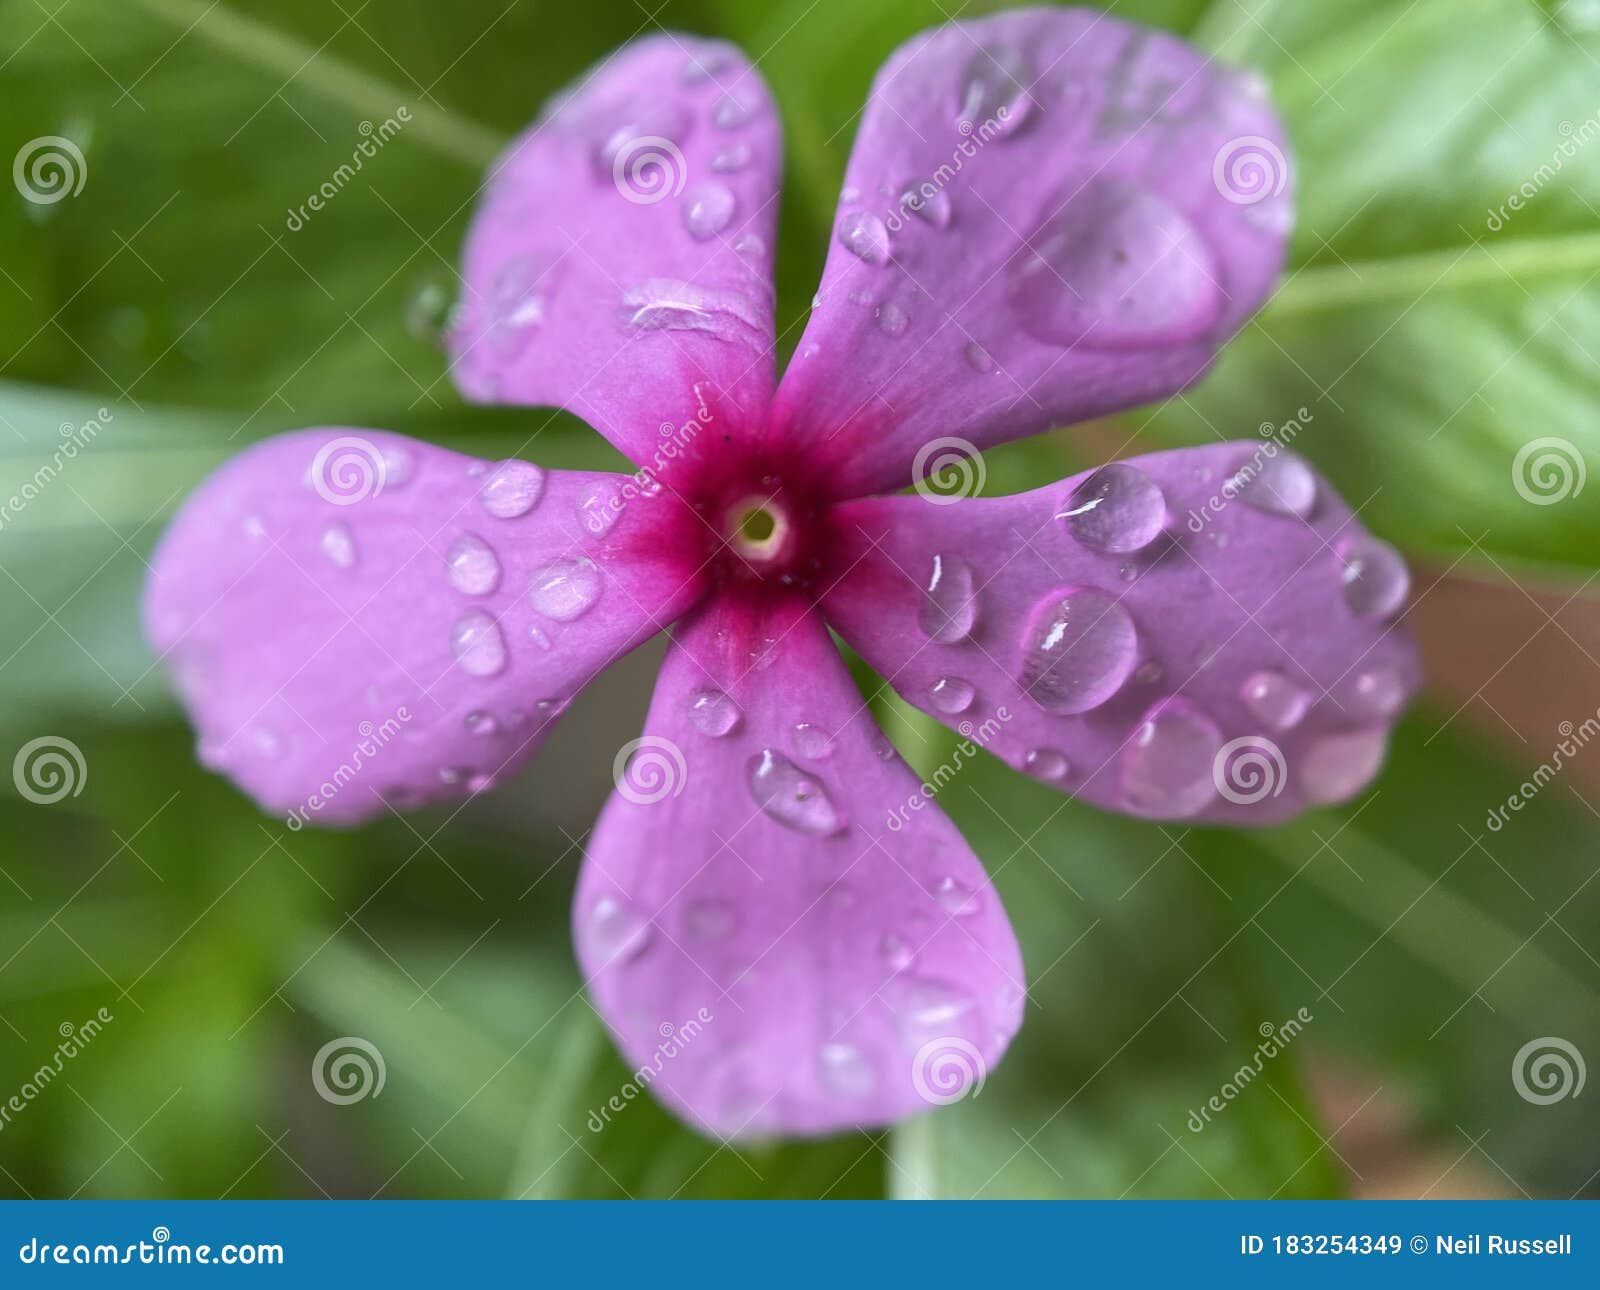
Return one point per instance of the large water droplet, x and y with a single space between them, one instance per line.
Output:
924 1005
472 567
512 490
1337 767
1046 763
707 210
929 204
865 236
1281 485
665 304
996 78
1078 650
338 545
845 1071
1168 769
812 741
1119 508
1274 700
616 931
1116 267
1375 577
949 602
951 694
565 588
476 642
790 796
713 712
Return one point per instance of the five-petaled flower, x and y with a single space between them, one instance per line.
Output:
1037 227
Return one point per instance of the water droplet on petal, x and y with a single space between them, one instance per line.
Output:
713 712
812 742
927 1006
1078 651
892 319
537 635
956 898
897 953
397 465
338 546
710 919
996 78
949 602
1380 691
566 588
844 1070
266 741
513 489
790 796
665 304
750 246
1337 767
1046 764
476 642
1375 577
1283 485
708 62
1168 769
951 694
734 157
978 358
481 723
599 506
471 565
707 210
929 204
1274 700
732 112
1118 508
865 236
616 931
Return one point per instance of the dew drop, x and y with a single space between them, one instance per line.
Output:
599 507
1284 485
1375 577
1046 764
956 898
996 77
978 358
865 236
1379 691
812 741
665 304
732 158
471 566
713 712
476 642
338 546
896 953
512 490
537 635
929 204
1337 767
616 931
398 465
1274 700
1078 651
731 112
707 63
790 796
951 694
1117 509
566 588
1167 771
481 723
844 1071
949 602
707 210
892 319
925 1006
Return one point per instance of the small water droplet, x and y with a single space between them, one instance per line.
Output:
1078 650
471 566
481 723
708 62
1337 767
1274 700
731 112
1168 769
791 796
996 77
1148 673
713 712
734 157
254 528
929 204
338 546
1375 577
566 588
1117 509
512 490
710 919
707 210
1045 763
951 694
844 1071
865 236
476 642
266 741
896 953
599 506
892 319
949 602
750 246
812 742
616 931
1282 485
956 898
1380 691
978 358
398 465
882 749
537 635
926 1006
479 783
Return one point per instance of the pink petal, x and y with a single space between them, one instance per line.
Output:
1142 637
1096 209
820 968
621 263
350 615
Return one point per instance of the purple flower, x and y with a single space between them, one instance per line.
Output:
1049 216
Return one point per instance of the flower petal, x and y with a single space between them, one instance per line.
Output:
355 618
1049 215
1202 634
844 972
621 263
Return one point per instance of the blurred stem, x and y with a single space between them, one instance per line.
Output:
578 1046
251 41
914 1160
